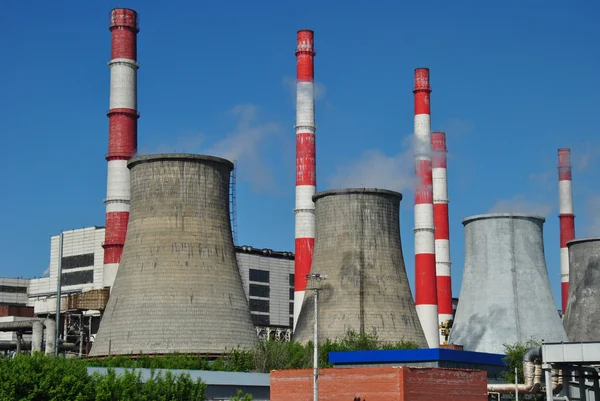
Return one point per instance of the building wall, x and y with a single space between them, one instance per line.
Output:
13 291
268 279
382 384
82 264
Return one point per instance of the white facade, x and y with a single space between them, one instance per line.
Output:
82 268
14 291
268 279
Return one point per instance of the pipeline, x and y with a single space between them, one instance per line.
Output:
532 370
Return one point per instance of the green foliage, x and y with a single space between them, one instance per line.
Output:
41 378
514 359
241 396
266 356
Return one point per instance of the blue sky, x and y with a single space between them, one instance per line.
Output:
512 82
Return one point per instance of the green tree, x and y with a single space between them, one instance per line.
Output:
514 359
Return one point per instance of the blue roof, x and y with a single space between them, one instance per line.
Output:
415 355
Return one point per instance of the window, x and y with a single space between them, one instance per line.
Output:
261 320
257 290
73 262
291 322
291 293
13 290
259 305
291 308
259 275
81 277
291 280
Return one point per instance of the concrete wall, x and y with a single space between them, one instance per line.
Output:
582 318
178 286
505 294
358 246
381 384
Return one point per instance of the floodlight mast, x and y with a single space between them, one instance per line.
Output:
318 277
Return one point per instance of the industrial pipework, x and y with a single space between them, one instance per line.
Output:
122 134
425 269
532 372
442 232
306 176
567 220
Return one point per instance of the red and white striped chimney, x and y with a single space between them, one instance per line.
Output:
306 177
425 276
122 134
567 219
442 229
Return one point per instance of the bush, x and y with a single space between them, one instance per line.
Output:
42 378
514 359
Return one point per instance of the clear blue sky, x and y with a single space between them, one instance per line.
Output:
512 82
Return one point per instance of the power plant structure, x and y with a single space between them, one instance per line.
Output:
306 175
358 248
122 135
425 266
582 318
505 295
567 220
178 287
441 234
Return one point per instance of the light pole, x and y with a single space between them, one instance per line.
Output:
318 277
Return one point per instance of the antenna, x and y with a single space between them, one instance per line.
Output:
232 204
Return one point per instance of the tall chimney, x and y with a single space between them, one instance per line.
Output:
567 219
425 276
122 134
306 178
442 230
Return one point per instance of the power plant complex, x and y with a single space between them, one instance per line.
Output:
165 276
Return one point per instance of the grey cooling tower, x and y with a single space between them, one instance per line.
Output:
178 287
358 246
582 319
505 296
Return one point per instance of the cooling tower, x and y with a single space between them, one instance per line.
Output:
582 320
178 287
505 296
358 247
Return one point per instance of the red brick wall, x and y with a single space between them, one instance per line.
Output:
425 384
381 384
11 310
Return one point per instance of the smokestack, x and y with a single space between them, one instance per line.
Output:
306 177
567 220
442 230
122 134
425 275
358 247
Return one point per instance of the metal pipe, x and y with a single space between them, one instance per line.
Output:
58 290
316 349
532 375
51 343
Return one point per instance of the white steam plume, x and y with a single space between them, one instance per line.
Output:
521 204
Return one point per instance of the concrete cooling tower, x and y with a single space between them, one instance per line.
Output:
505 296
178 287
358 246
582 319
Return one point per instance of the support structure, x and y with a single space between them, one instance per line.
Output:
306 178
425 271
122 134
567 220
442 232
